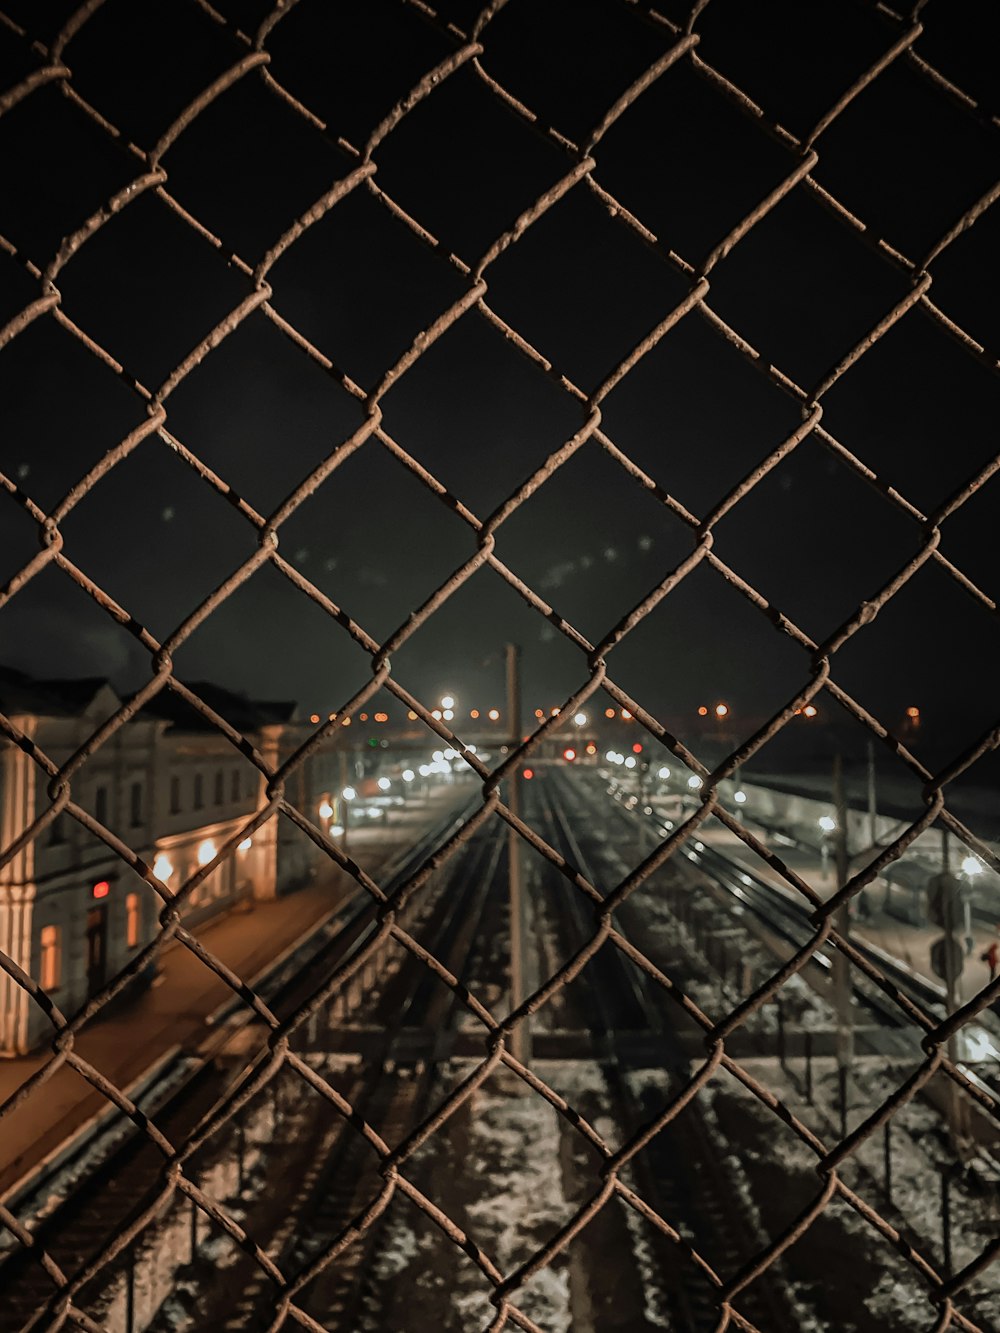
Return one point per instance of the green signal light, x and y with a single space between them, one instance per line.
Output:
373 741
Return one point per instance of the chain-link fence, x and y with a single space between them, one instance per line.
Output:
620 56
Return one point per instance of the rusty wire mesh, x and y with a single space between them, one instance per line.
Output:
251 60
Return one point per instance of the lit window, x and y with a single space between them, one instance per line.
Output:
51 962
132 920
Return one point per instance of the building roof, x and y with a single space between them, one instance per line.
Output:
21 693
238 710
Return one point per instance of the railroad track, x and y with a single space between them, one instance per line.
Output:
116 1187
679 1171
329 1171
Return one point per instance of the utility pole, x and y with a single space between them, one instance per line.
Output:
841 966
520 1038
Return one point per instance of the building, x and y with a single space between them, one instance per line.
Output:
171 788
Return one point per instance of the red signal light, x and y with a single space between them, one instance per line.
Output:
569 755
637 748
101 889
528 773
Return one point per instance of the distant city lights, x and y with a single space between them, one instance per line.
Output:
494 715
694 782
325 810
739 797
721 710
664 772
206 852
384 784
245 845
408 775
348 793
447 701
972 865
580 719
827 823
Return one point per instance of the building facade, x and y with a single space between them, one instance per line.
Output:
171 787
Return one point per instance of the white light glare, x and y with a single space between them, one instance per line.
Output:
408 775
694 781
580 719
827 824
336 830
245 845
162 867
325 809
449 714
449 754
739 797
349 793
424 770
664 772
631 761
384 784
447 701
206 852
972 865
437 756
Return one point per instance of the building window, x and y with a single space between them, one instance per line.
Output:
101 805
135 803
133 920
51 962
220 787
199 791
234 785
175 796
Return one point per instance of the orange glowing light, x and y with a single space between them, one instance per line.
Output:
101 889
539 713
591 748
412 715
474 712
810 710
703 711
637 748
609 712
314 717
381 717
345 722
626 715
913 712
364 717
528 773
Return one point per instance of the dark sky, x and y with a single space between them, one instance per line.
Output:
802 287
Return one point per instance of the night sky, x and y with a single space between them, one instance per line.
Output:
802 287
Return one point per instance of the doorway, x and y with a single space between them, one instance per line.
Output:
97 950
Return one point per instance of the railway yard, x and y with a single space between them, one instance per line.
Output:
393 1173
